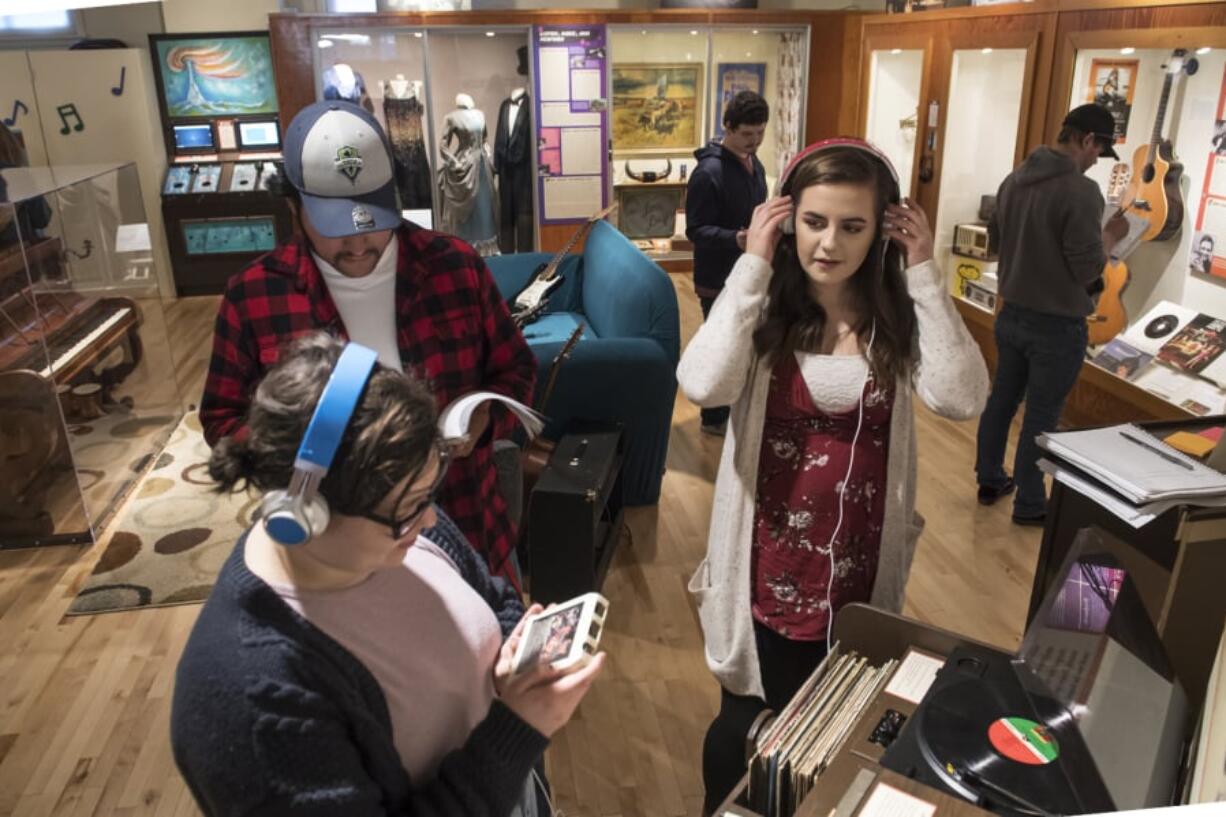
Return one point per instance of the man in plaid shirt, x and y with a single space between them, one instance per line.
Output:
423 300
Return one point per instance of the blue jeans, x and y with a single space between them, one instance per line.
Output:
719 415
1038 358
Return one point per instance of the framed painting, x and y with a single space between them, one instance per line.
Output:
730 79
202 76
657 107
645 211
1112 85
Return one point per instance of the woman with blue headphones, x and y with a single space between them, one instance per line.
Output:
355 654
834 315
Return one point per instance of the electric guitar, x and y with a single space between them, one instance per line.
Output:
1154 190
1110 318
532 299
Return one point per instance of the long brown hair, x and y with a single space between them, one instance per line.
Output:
794 320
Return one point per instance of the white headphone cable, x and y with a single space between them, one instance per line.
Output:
851 461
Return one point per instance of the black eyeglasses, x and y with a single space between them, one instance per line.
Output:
400 527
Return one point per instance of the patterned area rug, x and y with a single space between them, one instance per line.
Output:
172 537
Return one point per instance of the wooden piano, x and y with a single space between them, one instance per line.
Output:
49 336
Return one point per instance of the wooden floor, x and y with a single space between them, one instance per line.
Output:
84 701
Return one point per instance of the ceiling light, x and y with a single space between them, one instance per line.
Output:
986 51
755 31
417 34
895 50
693 33
324 42
1203 50
489 34
1128 50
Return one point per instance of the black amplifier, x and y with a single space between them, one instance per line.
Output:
575 514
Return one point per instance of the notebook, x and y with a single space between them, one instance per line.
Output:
1134 463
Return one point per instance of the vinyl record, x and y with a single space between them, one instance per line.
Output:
968 737
1161 326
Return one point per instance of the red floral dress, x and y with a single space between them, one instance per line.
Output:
803 461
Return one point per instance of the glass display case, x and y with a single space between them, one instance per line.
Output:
87 384
435 91
1164 309
985 86
669 88
896 78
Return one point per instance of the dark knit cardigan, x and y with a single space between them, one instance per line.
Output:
272 716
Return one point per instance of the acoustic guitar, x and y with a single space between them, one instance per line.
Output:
1154 190
1110 318
533 298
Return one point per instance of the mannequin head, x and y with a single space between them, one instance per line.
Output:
464 101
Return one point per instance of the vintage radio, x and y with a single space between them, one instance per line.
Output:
973 240
979 295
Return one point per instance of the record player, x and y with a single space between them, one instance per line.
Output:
1087 718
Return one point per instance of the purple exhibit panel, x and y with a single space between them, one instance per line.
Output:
571 69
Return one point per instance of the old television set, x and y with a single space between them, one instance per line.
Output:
207 76
263 134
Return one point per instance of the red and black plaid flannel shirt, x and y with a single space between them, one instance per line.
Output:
454 331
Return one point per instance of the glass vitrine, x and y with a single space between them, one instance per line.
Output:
87 383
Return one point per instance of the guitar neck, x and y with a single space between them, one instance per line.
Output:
1156 137
552 267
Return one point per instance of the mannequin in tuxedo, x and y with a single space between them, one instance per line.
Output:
513 165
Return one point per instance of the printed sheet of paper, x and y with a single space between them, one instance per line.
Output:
133 238
555 74
887 801
572 196
585 84
559 115
914 676
582 150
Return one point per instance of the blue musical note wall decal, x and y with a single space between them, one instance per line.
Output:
123 74
18 105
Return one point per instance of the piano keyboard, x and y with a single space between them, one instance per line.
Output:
66 356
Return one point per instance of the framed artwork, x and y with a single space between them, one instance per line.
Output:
730 79
1112 85
203 76
657 107
645 211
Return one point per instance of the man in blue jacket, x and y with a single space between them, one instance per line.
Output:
725 187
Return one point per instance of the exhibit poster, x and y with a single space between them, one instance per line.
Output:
730 79
1112 85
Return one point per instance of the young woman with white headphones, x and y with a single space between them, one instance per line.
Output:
832 317
355 654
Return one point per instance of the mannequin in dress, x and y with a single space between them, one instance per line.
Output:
466 178
403 112
513 166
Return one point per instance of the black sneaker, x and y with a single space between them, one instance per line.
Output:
1030 521
988 494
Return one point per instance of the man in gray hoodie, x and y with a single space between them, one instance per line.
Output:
1053 246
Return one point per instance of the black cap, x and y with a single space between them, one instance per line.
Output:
1097 120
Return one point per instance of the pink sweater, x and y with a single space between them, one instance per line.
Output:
427 638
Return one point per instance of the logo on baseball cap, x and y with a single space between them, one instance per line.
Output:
337 157
1096 120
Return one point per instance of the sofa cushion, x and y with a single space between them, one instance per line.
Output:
555 328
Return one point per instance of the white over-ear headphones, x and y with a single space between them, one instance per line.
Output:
293 516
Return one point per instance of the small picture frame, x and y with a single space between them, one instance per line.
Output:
566 637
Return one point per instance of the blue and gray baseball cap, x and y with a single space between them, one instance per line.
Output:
337 156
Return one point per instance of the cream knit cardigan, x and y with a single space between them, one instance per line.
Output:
719 368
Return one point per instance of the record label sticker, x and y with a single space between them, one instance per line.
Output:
1023 741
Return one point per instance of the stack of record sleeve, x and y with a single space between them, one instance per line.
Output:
806 736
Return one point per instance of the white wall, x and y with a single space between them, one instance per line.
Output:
893 95
1160 268
217 15
983 88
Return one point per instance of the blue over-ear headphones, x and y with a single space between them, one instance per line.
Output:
789 224
293 516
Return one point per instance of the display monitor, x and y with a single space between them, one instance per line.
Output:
204 76
257 135
193 138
